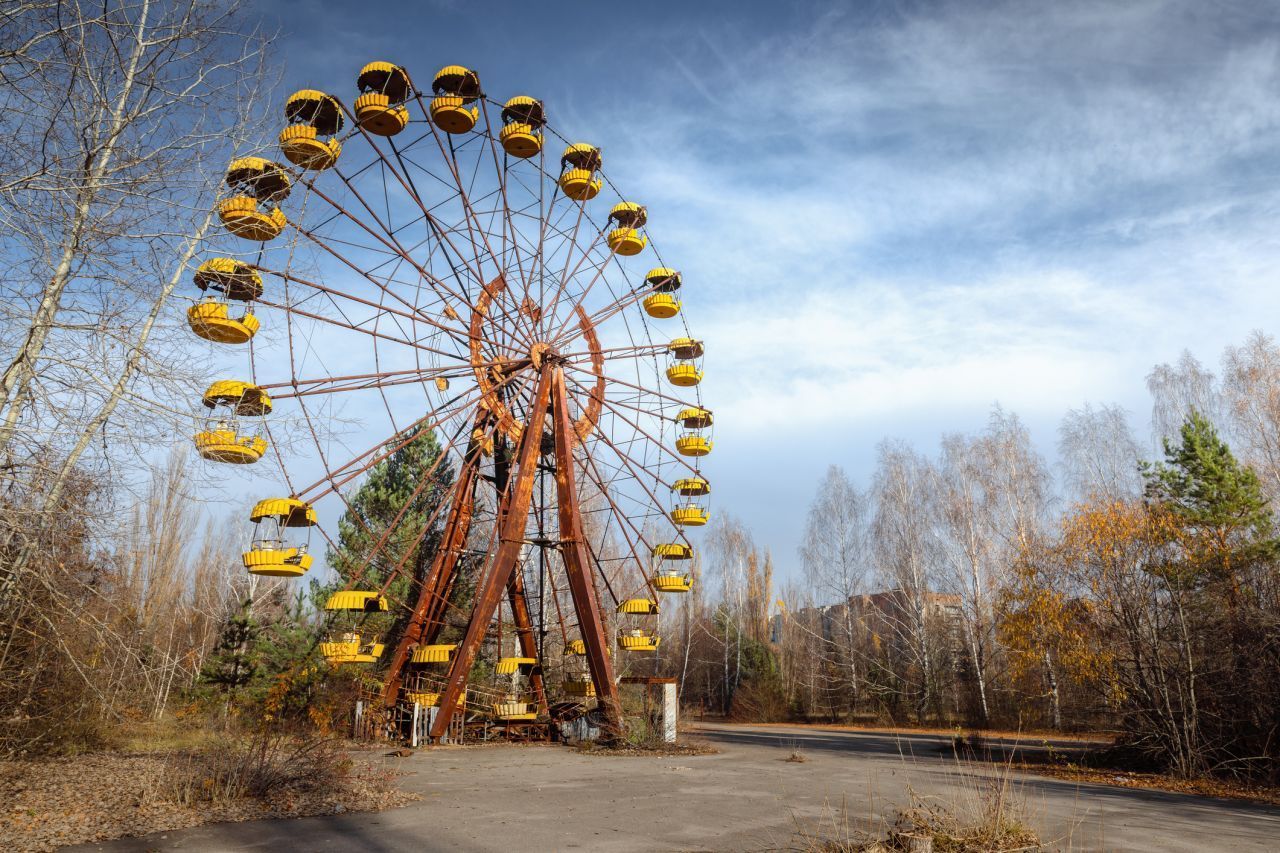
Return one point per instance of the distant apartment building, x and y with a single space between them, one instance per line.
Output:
881 616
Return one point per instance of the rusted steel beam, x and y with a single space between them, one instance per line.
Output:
524 633
515 587
443 566
577 562
511 540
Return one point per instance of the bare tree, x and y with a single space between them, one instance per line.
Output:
1176 391
1098 454
837 563
119 120
906 557
1251 396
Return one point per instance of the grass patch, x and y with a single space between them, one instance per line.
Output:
984 815
98 796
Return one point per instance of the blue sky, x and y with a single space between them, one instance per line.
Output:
891 216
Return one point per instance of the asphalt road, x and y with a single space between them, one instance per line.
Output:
746 797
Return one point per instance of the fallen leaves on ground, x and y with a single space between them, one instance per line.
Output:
1156 782
94 797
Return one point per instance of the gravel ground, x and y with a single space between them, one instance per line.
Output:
49 804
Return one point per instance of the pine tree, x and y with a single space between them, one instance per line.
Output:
232 664
1224 518
388 490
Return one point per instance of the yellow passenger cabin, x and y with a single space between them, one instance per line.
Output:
455 88
255 188
668 577
522 121
662 303
638 640
693 438
692 510
310 140
276 552
360 601
384 88
435 653
350 647
626 239
225 435
223 281
579 165
685 367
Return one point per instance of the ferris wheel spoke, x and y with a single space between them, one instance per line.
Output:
363 381
472 219
612 379
626 461
415 316
383 538
614 513
403 177
392 246
615 353
616 307
617 411
320 318
366 460
359 270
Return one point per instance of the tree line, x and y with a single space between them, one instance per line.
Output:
1117 590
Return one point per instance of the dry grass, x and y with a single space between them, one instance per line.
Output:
97 796
985 814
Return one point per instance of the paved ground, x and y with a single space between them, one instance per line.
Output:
747 797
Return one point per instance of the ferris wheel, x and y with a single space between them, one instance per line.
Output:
441 262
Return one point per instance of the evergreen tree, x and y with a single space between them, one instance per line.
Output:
1225 519
393 489
233 663
388 490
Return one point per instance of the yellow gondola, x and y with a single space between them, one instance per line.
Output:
579 165
514 708
693 441
357 600
272 551
693 511
639 607
661 306
690 516
224 279
348 648
576 647
380 108
311 115
522 121
221 438
431 698
626 238
662 303
455 87
513 665
437 653
685 369
257 186
578 687
668 578
638 640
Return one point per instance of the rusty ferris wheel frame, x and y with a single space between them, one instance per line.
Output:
465 275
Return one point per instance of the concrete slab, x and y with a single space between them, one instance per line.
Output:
747 797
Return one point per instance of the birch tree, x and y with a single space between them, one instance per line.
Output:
836 561
1098 454
905 552
119 118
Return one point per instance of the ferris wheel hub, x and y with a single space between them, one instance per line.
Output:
540 353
